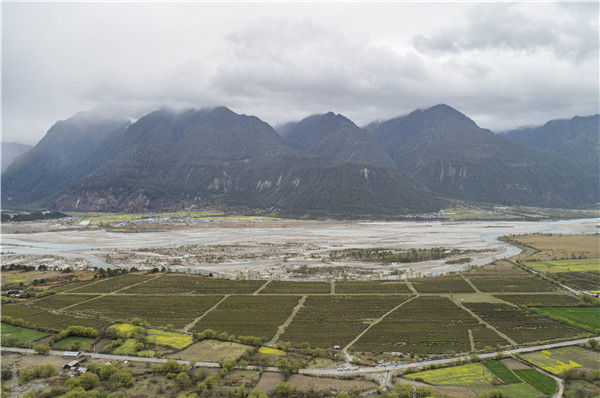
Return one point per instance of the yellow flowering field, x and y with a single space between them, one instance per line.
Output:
271 351
462 375
176 340
558 360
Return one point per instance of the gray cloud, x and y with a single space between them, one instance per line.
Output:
567 30
503 65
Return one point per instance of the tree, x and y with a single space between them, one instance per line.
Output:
42 349
89 380
183 380
283 389
593 343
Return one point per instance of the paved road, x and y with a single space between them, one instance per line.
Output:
316 372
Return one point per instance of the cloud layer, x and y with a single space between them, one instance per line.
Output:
505 65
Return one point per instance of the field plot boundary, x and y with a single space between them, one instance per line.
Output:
375 322
190 325
262 287
107 294
470 283
284 325
478 318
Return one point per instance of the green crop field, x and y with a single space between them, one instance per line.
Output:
558 360
20 336
58 301
48 320
156 310
258 316
284 287
325 321
442 284
521 390
182 284
587 318
113 284
372 287
522 326
425 325
539 299
576 265
541 382
85 343
500 370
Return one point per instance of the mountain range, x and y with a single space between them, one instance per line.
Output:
322 165
12 150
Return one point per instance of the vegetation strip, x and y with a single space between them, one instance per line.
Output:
500 370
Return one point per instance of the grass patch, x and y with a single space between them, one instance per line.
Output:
271 351
587 318
521 390
85 343
541 382
462 375
18 335
500 370
212 351
577 265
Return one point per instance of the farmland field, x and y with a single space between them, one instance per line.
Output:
520 325
58 301
462 375
180 284
285 287
558 360
47 320
541 382
582 280
587 318
113 284
499 369
576 265
211 351
372 287
442 284
164 310
539 299
325 321
560 246
21 336
258 316
504 277
85 343
521 390
425 325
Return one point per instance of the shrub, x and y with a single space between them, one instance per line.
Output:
42 349
283 389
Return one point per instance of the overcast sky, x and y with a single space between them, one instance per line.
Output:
505 65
